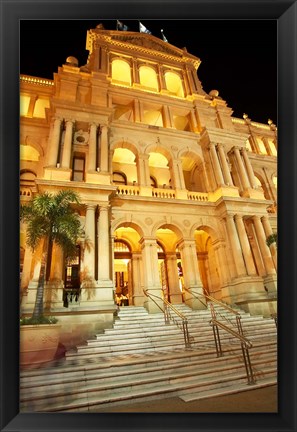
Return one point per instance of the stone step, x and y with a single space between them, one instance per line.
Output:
76 397
176 362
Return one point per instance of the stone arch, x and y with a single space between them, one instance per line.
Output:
32 142
160 164
159 148
173 226
129 145
207 240
264 186
193 170
124 159
136 225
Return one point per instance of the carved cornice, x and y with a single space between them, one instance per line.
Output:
145 44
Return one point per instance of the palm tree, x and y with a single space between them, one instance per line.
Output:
272 238
50 219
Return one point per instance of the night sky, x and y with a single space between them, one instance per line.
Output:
239 57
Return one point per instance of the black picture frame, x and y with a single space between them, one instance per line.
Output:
285 12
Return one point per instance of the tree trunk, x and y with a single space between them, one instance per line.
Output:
38 308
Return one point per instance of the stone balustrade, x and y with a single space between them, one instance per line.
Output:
198 196
163 193
126 190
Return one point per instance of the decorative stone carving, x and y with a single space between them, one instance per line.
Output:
148 221
81 137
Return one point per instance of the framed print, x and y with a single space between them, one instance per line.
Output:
148 214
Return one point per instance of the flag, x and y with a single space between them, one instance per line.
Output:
121 26
143 29
163 36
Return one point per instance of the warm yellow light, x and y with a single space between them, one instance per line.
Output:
153 118
148 77
124 156
121 72
174 84
39 109
24 105
157 160
28 153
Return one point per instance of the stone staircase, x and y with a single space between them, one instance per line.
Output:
141 358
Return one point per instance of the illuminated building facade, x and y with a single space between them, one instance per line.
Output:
178 196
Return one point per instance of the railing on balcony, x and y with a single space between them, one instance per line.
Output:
127 190
25 192
197 196
163 193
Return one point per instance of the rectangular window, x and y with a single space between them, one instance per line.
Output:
78 169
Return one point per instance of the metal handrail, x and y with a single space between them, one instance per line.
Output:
168 307
243 339
214 300
245 343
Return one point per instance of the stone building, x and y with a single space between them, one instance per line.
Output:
178 197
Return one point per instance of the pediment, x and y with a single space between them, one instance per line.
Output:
148 42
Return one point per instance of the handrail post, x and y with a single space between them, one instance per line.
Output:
166 314
248 365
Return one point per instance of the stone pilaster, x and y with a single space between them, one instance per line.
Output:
225 167
152 282
67 144
235 246
191 274
92 158
268 231
216 165
54 142
175 295
246 249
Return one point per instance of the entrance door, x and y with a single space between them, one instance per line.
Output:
72 280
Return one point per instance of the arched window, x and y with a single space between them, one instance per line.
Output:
154 183
148 78
121 72
174 84
119 178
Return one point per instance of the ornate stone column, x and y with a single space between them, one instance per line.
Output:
162 83
225 167
222 264
152 282
137 278
249 169
104 149
92 159
241 169
268 231
265 251
175 294
235 246
191 274
103 245
245 245
216 165
54 142
177 174
67 144
88 270
135 72
143 174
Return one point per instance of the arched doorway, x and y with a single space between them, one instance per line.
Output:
169 262
208 264
122 272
